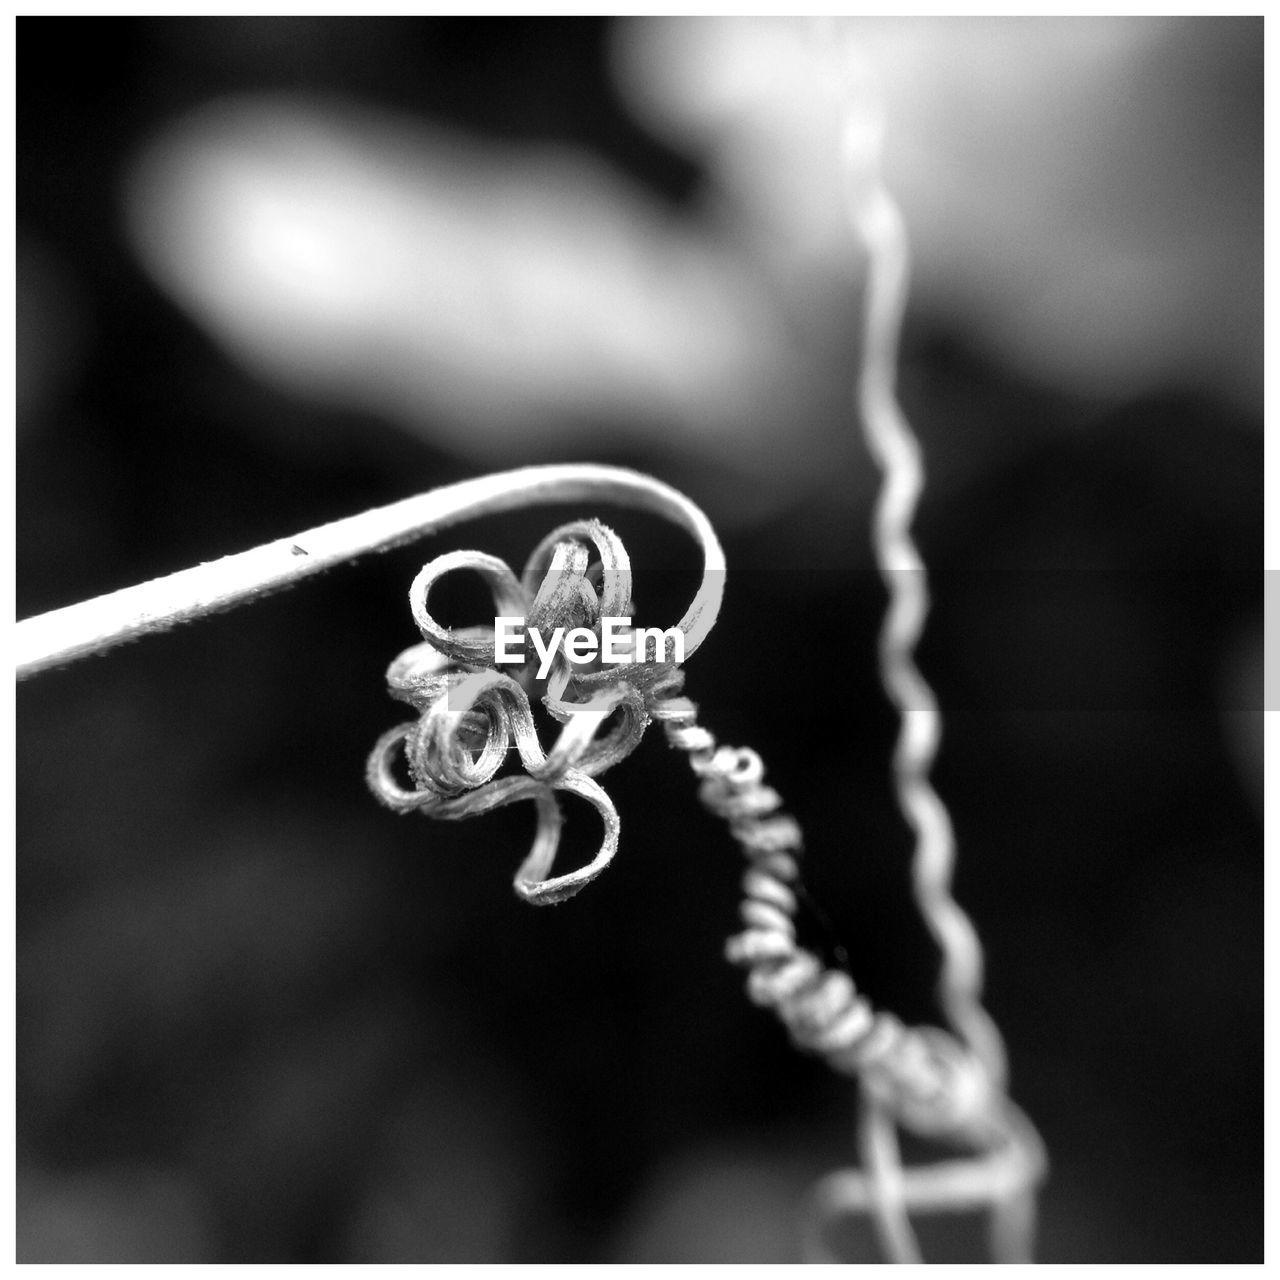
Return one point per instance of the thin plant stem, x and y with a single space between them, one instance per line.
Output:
94 626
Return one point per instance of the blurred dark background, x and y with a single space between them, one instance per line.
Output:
274 271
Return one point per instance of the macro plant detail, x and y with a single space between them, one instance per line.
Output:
947 1085
475 746
472 713
943 1084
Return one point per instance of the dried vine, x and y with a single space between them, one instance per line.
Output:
470 717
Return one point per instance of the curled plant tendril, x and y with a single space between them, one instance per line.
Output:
944 1084
471 713
922 1078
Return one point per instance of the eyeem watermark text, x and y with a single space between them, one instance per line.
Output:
617 643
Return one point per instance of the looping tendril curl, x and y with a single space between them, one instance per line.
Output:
471 713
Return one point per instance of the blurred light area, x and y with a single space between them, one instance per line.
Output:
716 1204
113 1214
450 1178
1083 198
1083 195
487 295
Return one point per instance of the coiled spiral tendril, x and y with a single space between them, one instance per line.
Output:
470 715
922 1078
